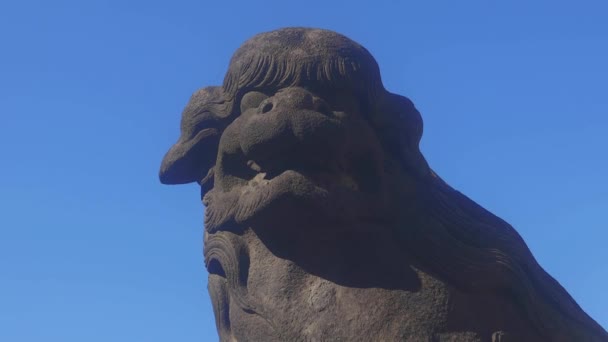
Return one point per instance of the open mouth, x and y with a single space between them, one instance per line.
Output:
329 177
336 189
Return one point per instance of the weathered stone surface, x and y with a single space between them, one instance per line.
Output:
324 222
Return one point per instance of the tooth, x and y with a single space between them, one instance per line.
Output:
254 166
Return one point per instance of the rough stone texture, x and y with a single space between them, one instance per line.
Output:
324 222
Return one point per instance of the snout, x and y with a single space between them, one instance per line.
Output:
292 120
293 98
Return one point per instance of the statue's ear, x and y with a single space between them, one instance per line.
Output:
192 157
400 126
190 160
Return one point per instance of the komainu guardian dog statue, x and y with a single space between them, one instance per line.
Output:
325 223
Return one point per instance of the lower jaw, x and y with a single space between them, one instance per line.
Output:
288 199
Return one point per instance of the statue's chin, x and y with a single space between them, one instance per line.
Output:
292 199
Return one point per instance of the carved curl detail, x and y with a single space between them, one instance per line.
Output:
227 255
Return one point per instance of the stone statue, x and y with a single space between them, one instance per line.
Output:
324 222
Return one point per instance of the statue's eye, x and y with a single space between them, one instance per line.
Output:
321 106
252 99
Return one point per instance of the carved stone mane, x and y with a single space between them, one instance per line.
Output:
324 222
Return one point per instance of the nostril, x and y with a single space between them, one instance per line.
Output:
267 107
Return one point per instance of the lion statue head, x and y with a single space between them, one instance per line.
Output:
324 221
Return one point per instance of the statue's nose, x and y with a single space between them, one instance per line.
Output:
293 98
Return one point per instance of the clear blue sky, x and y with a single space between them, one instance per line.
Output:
93 248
